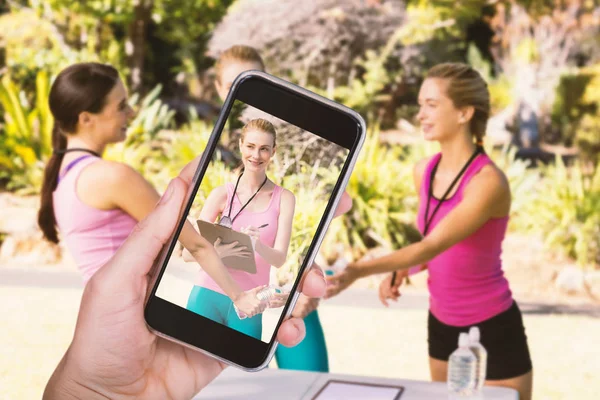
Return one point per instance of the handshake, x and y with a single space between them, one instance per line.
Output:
270 296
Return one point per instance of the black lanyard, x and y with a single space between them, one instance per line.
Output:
430 192
228 221
64 151
430 195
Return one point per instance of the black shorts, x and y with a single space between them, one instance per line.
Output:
503 336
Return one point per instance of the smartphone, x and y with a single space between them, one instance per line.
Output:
306 153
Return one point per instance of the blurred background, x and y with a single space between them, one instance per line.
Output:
541 60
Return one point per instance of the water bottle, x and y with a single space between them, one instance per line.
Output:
339 265
264 295
481 355
461 370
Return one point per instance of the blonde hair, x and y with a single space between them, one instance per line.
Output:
466 88
238 53
262 125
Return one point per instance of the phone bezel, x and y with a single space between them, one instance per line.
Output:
318 115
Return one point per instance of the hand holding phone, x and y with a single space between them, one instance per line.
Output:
114 356
256 200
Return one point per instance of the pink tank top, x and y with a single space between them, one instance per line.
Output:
466 282
91 235
270 216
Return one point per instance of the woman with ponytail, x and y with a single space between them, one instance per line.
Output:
464 204
95 204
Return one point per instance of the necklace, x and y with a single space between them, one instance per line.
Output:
227 221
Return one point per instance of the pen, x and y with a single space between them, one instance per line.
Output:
393 279
262 226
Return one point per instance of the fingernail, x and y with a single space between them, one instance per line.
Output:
297 325
320 272
168 193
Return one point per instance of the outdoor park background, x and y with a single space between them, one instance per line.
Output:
541 60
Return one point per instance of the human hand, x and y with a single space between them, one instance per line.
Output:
253 232
113 354
389 291
340 281
279 299
233 249
248 303
304 306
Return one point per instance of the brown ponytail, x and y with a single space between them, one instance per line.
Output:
78 88
46 218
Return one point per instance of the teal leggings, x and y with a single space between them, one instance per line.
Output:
219 308
308 355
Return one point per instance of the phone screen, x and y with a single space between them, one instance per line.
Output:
259 204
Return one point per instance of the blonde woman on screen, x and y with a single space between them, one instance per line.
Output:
254 205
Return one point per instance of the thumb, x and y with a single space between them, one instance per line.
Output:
138 252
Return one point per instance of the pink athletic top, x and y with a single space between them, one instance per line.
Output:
92 236
466 282
270 216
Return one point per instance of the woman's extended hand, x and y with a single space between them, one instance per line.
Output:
249 304
340 281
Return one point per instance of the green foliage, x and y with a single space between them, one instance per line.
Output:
500 88
384 198
365 92
501 93
26 136
576 112
34 42
523 183
439 19
187 25
569 107
478 63
566 211
311 187
177 149
141 150
527 51
588 134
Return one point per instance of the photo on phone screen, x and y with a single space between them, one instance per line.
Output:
260 202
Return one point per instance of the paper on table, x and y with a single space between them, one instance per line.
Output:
339 390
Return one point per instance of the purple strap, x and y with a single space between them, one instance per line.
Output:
72 164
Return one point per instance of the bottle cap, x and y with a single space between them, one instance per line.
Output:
474 334
463 339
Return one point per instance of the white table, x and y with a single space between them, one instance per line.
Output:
277 384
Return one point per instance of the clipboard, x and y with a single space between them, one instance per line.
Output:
335 389
213 231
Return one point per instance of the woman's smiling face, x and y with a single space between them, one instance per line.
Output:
257 148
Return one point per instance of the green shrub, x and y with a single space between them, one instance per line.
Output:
26 136
384 198
566 212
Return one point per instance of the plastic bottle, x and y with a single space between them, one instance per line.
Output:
481 355
461 370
